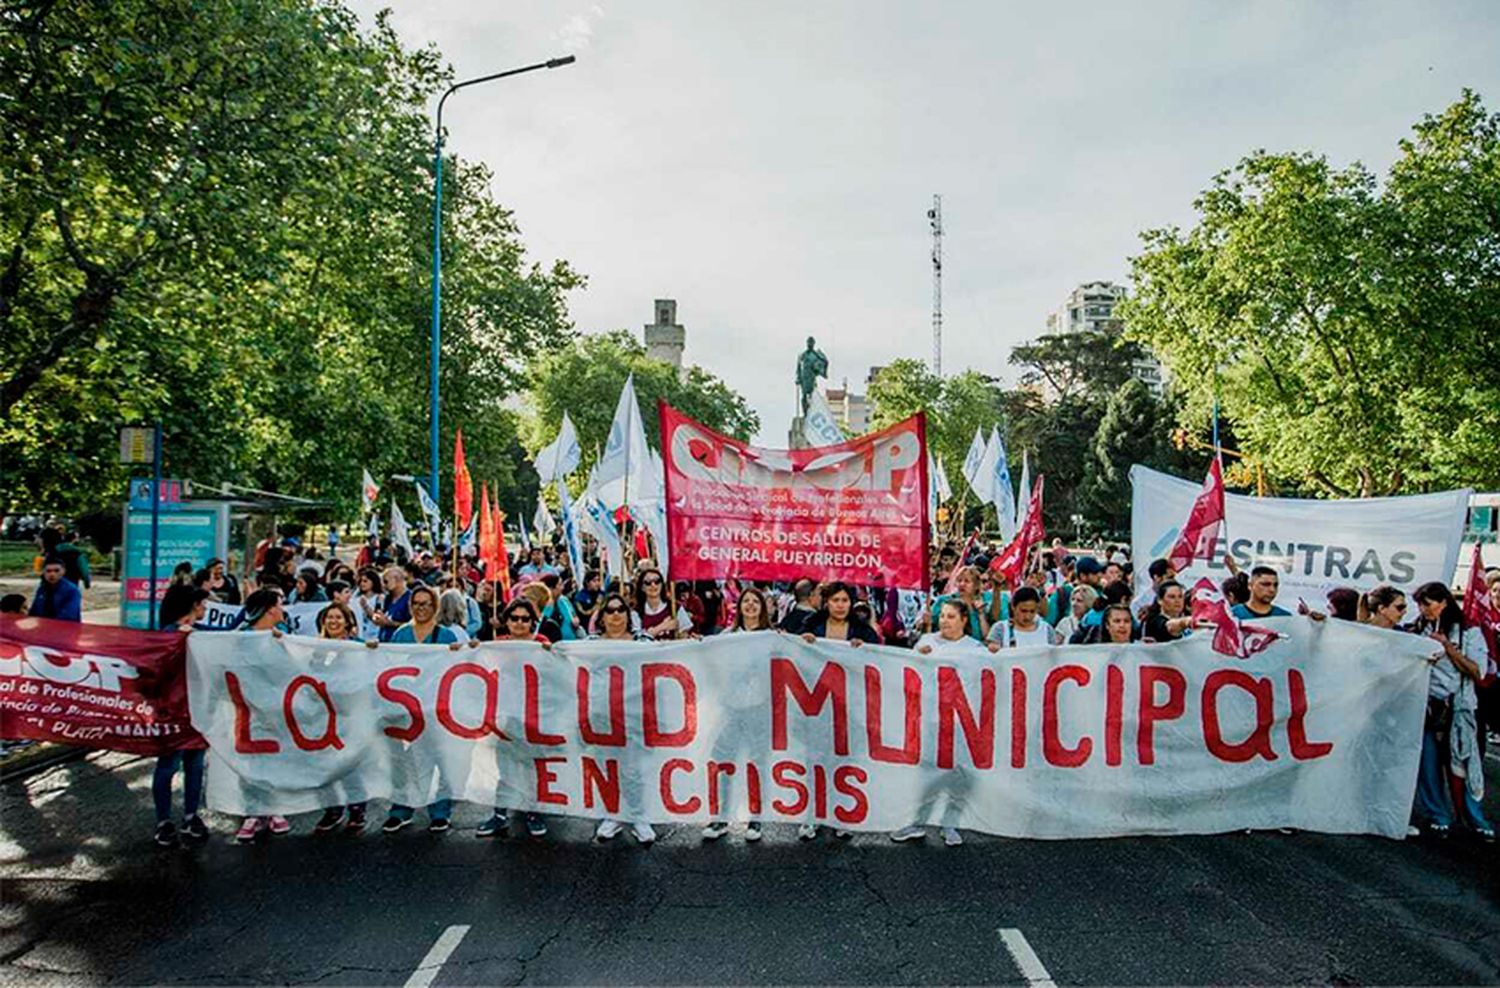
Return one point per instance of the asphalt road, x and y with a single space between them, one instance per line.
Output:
86 899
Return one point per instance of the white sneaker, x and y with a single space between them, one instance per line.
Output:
715 830
643 832
913 832
1413 831
752 831
608 830
807 831
952 837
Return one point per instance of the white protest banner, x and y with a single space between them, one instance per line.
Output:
302 619
1321 732
1314 545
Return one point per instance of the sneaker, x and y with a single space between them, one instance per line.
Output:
1439 830
752 831
356 821
535 825
166 834
249 830
1486 834
952 837
715 830
644 833
394 823
331 820
914 832
1412 831
1285 830
438 825
495 826
807 831
608 830
193 830
279 825
843 834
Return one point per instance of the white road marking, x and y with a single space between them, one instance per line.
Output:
1026 959
427 971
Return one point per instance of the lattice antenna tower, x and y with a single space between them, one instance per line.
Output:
935 220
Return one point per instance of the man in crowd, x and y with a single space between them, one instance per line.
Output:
397 609
537 566
805 603
57 597
1264 585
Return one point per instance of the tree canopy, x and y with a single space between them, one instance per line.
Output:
219 215
585 377
1349 328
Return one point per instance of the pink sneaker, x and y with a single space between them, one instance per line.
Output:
249 829
279 825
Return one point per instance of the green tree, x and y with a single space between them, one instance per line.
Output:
1091 363
1134 428
955 407
585 378
219 214
1350 331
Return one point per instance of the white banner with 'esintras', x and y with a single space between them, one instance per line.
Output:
1320 732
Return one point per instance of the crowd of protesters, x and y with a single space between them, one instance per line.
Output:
389 595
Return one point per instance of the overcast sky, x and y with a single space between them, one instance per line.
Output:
770 165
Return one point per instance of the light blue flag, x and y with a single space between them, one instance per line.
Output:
1005 493
570 531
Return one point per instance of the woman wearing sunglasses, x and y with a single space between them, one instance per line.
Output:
614 626
654 608
518 623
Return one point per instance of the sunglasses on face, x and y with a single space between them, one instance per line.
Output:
521 617
651 582
614 609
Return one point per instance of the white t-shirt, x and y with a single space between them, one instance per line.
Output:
939 644
1007 635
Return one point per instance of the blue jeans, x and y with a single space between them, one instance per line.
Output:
191 760
1433 803
440 809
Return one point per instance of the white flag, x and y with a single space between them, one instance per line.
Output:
542 520
1002 494
944 489
429 509
973 461
400 535
820 427
468 540
623 473
369 491
1023 501
559 457
982 482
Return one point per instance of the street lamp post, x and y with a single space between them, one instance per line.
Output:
437 242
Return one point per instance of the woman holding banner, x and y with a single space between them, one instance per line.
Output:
337 622
1450 745
181 608
752 613
518 623
614 623
950 641
423 629
836 622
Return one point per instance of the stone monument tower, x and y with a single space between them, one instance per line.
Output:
665 338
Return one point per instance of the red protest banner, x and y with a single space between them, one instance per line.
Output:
94 685
856 511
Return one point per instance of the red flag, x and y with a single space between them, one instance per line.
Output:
501 572
463 487
1231 636
1201 530
485 522
1011 562
1480 612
